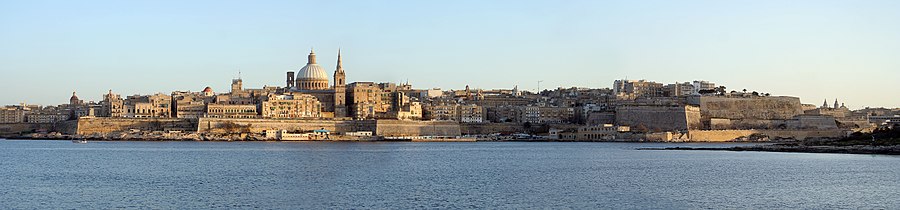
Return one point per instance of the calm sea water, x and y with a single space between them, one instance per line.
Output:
400 175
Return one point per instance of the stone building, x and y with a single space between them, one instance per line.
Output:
678 89
232 111
75 108
503 100
556 115
45 117
836 111
112 105
531 114
13 114
440 111
603 132
397 105
689 88
631 89
149 106
191 105
504 114
50 114
465 113
406 111
364 100
471 113
291 106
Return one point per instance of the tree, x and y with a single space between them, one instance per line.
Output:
755 93
721 90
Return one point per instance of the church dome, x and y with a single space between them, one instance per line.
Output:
74 97
312 71
312 76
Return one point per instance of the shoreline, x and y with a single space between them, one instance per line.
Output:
364 140
854 149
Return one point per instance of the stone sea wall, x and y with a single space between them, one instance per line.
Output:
99 125
729 135
490 128
222 125
389 128
392 128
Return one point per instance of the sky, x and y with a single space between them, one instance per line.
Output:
812 49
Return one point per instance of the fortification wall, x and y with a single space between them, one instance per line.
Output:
740 108
390 128
400 128
92 125
747 124
15 128
221 125
728 135
717 135
489 128
803 134
65 127
662 118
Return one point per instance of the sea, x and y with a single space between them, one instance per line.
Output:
46 174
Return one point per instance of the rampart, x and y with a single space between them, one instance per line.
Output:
388 128
223 125
490 128
95 125
748 108
729 135
661 118
391 128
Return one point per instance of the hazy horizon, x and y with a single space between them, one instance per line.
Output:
814 50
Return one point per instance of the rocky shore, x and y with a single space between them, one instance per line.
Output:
848 149
142 136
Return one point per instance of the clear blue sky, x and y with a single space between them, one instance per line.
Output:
813 49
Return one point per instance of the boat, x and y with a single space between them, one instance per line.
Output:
79 141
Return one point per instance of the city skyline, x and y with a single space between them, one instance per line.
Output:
811 49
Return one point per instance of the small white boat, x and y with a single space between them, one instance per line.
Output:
79 141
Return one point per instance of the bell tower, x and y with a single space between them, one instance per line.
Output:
340 89
290 80
339 77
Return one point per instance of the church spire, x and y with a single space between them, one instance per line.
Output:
339 76
311 57
340 68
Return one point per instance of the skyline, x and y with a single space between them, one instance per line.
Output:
811 49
